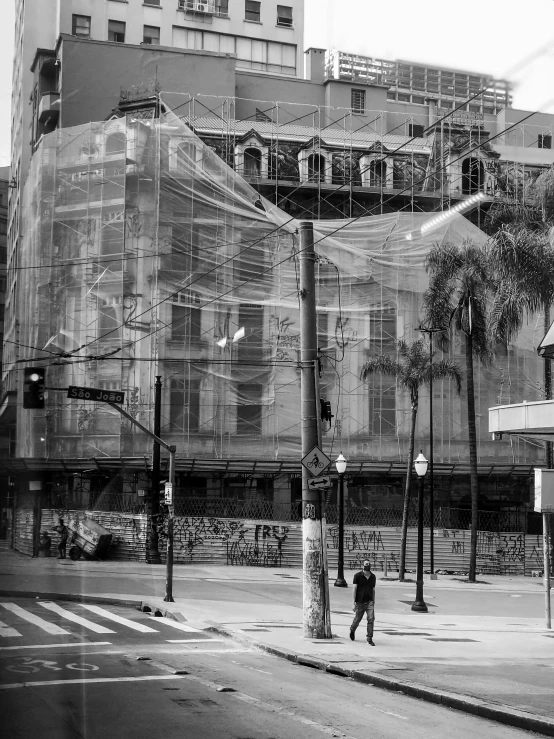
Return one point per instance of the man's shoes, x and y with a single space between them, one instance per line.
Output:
352 637
371 642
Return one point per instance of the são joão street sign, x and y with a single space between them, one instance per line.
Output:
91 393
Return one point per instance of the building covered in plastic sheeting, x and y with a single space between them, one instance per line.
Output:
146 255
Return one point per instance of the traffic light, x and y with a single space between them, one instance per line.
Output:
33 387
325 406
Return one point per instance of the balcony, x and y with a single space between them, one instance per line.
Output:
49 107
202 7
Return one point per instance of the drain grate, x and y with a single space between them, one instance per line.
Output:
436 638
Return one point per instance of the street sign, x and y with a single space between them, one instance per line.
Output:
92 393
316 462
319 483
168 491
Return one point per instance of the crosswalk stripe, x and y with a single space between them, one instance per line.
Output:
175 624
6 630
34 619
119 619
76 619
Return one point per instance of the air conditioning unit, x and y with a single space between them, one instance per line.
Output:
197 6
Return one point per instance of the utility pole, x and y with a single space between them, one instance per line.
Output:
317 620
153 551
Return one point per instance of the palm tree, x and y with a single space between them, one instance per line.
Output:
459 288
412 370
523 259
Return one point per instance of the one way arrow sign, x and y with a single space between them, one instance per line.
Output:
317 483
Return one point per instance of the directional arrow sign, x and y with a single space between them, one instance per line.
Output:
316 462
318 483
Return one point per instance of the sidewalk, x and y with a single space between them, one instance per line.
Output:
498 666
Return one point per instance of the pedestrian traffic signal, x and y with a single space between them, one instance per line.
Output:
33 387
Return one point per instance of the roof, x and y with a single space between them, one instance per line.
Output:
335 137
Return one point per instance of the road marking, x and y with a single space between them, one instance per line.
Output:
55 608
120 620
82 681
33 619
389 713
250 668
192 641
7 631
70 644
175 624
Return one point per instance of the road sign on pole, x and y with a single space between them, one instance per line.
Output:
319 483
168 493
316 462
92 393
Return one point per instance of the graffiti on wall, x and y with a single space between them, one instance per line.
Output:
361 545
266 550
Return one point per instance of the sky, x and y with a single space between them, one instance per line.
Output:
508 39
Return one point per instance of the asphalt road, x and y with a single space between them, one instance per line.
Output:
75 670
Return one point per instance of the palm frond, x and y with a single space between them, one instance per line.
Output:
381 365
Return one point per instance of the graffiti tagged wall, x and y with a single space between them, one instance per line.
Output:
231 541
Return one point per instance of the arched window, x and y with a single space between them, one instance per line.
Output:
473 175
115 143
377 173
316 168
252 162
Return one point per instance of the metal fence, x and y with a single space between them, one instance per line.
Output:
447 518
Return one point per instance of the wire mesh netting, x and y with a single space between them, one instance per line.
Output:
147 255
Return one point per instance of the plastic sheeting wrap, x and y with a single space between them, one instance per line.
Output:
146 255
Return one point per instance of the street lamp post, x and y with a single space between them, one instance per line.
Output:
420 465
431 331
340 464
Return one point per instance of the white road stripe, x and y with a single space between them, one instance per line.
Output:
55 608
84 680
175 624
119 619
192 641
389 713
7 631
55 646
33 619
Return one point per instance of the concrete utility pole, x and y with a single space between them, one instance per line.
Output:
153 551
317 619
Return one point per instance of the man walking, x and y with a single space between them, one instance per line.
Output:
363 594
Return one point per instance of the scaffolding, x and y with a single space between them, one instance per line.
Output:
146 253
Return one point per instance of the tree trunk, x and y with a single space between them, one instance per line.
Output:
405 510
547 387
474 480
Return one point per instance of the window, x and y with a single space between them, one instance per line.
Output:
284 15
545 141
415 129
252 162
222 8
81 26
151 35
252 10
185 323
357 101
403 98
249 408
151 2
316 168
115 143
184 405
116 31
473 175
250 348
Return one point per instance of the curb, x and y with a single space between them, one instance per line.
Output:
474 706
78 597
